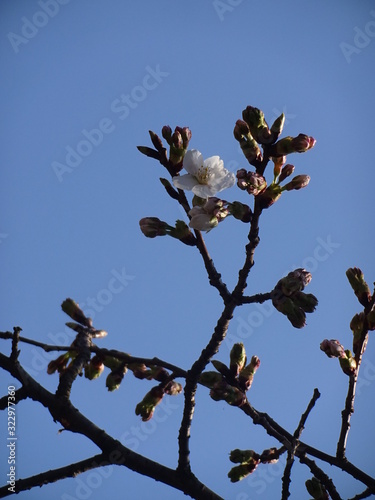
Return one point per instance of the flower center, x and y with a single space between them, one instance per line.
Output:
203 175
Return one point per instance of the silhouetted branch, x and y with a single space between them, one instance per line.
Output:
297 434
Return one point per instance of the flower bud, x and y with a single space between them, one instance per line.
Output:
295 281
278 164
357 326
73 310
241 129
166 132
268 197
252 182
306 301
241 471
332 348
58 364
152 227
348 363
148 404
186 136
221 367
173 388
246 375
237 358
270 456
94 368
242 456
286 171
303 143
240 211
298 182
112 363
254 117
210 379
359 285
114 379
182 233
286 306
228 393
277 128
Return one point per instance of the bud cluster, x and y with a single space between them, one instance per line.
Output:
253 130
359 285
207 216
249 461
333 349
231 383
152 227
82 325
289 299
178 142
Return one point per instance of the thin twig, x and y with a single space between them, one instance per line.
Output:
364 494
213 346
297 434
349 401
15 340
54 475
322 476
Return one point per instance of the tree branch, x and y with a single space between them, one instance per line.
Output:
118 454
297 434
54 475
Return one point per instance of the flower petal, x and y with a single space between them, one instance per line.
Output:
193 160
186 181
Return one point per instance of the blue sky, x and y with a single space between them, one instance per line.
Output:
72 68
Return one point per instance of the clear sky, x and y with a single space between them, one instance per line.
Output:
70 212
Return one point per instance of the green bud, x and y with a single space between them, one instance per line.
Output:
316 489
348 363
241 471
359 285
277 127
357 326
221 367
173 388
237 358
148 404
58 364
268 197
295 281
278 164
242 456
254 118
246 375
114 380
112 363
182 232
270 456
73 310
228 393
94 368
210 379
306 301
240 211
